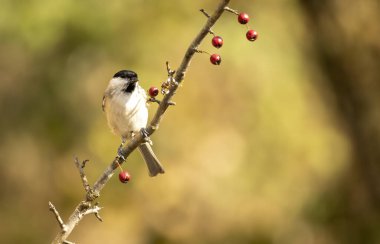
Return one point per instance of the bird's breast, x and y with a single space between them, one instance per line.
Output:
127 113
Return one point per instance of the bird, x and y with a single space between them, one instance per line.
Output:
126 109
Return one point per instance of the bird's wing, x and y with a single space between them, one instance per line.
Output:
104 103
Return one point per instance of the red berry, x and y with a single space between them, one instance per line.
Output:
217 41
124 177
243 18
252 35
153 91
215 59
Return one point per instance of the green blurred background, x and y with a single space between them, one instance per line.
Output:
279 144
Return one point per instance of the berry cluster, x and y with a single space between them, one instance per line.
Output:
217 41
243 19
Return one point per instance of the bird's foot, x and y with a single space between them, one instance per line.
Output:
145 135
120 151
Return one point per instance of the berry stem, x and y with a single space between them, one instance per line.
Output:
154 100
200 51
231 10
121 169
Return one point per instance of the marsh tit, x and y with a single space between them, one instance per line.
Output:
125 104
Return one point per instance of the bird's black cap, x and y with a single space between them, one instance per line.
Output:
126 74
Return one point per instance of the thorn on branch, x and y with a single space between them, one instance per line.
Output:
205 13
208 16
58 217
170 71
84 163
94 210
97 215
231 10
200 51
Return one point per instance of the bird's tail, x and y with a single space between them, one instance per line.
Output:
151 160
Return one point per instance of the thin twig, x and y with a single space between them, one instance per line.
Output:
205 13
200 51
94 210
83 176
231 10
58 217
169 70
207 16
154 100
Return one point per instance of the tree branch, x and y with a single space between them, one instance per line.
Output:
166 101
174 80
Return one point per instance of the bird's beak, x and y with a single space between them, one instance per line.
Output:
134 80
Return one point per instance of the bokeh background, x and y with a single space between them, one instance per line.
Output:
278 144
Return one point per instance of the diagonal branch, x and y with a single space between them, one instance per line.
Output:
166 101
86 207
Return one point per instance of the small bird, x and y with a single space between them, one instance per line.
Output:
125 105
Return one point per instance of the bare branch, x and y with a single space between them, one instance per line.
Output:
84 208
179 76
174 80
58 217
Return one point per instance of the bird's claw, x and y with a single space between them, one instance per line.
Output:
145 135
120 152
120 157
